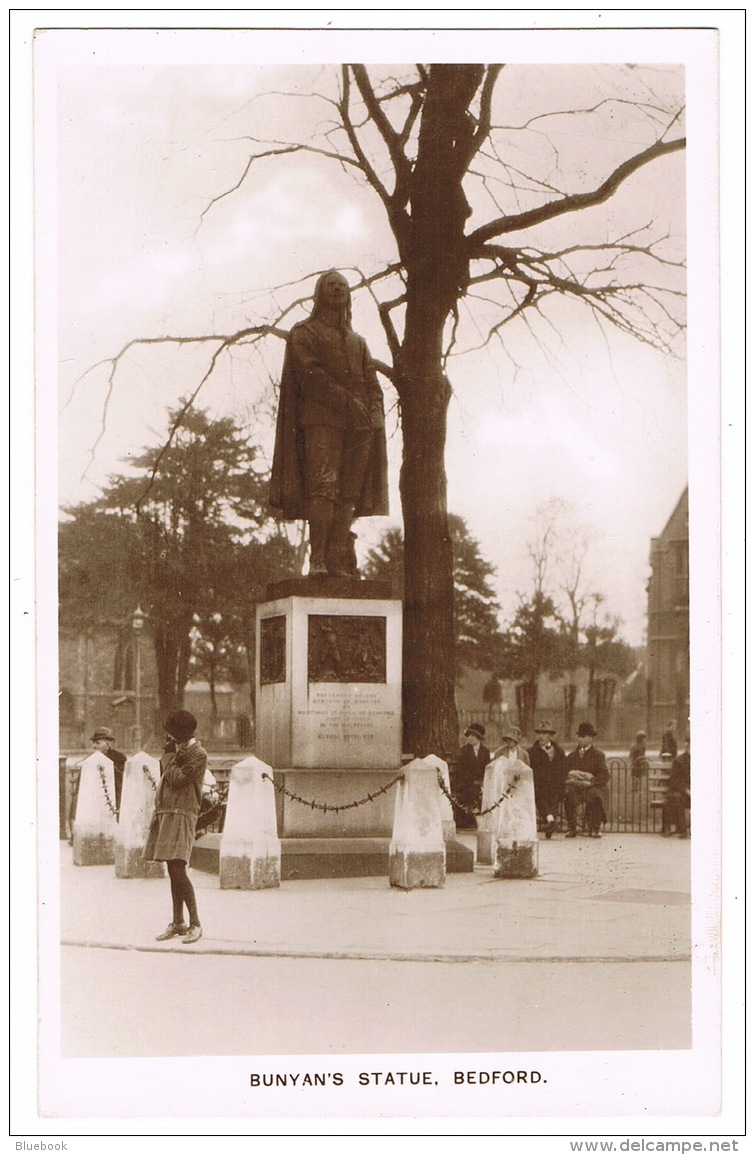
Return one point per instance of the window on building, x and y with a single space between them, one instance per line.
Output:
66 708
124 666
681 572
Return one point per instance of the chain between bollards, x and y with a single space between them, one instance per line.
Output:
468 809
110 806
113 810
326 807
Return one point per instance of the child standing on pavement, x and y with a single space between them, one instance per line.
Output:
177 804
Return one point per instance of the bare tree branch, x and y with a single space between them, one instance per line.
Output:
482 131
573 203
395 203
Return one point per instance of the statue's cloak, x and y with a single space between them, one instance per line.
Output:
287 496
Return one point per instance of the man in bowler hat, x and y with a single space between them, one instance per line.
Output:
102 739
586 780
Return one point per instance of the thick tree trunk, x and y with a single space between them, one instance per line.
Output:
437 275
526 705
430 721
171 659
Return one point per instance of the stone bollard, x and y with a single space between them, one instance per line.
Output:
250 849
417 849
95 823
446 809
516 834
141 775
493 785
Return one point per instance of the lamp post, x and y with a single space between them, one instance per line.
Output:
137 624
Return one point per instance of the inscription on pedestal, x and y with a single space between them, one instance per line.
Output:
336 716
346 649
273 650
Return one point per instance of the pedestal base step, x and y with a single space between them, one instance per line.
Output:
330 857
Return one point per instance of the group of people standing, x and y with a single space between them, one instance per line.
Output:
568 782
571 780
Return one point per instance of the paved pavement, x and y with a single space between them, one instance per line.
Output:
622 897
592 954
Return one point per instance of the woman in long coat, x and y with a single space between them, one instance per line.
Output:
177 804
467 776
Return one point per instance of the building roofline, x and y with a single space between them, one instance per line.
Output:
684 499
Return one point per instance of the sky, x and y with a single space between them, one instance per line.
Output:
137 145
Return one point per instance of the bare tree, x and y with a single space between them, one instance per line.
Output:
559 549
491 223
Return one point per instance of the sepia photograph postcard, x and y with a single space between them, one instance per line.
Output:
376 444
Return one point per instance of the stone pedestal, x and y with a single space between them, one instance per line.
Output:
417 850
328 693
95 823
250 850
328 696
516 835
141 776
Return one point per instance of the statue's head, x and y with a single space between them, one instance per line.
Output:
332 298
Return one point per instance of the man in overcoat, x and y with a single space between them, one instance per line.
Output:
330 458
548 762
678 795
102 739
586 760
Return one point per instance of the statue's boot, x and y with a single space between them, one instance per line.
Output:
341 554
320 518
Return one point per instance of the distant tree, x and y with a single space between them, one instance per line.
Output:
170 536
385 561
533 644
99 575
560 551
223 644
475 607
607 658
214 657
492 695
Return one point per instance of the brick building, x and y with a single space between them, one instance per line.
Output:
97 682
668 624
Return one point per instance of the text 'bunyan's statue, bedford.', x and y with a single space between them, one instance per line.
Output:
330 460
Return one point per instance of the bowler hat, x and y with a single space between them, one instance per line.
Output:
180 725
545 728
476 729
586 730
101 734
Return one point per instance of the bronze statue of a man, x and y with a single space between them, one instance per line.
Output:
330 460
